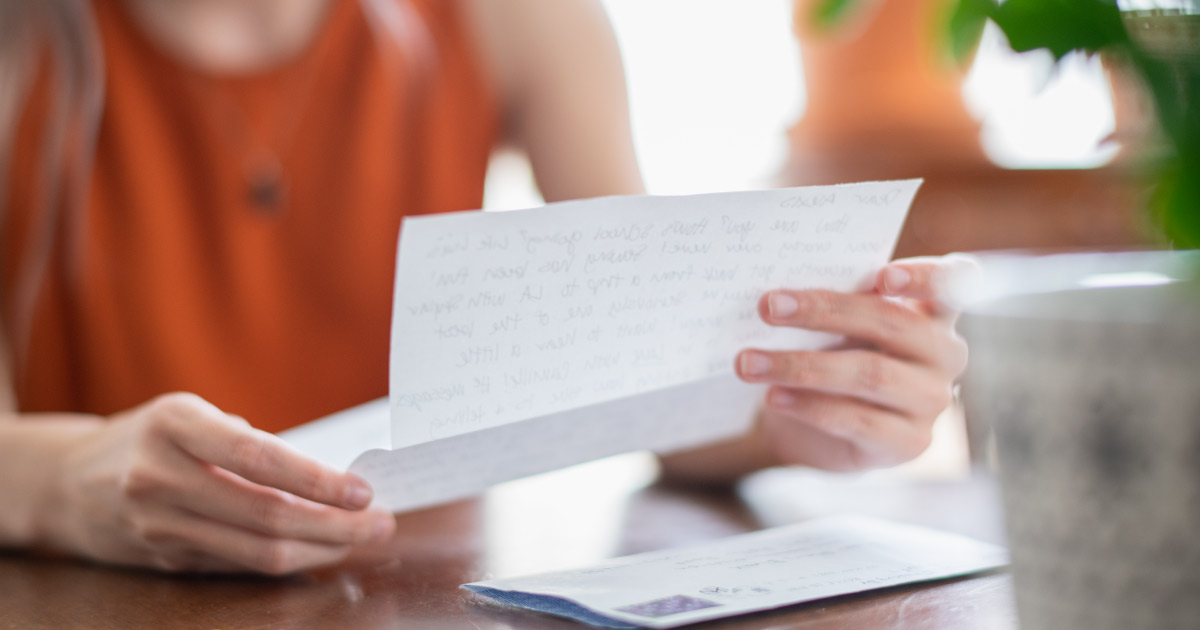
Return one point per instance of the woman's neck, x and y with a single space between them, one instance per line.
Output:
230 36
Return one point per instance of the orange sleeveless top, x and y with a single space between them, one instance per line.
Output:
239 233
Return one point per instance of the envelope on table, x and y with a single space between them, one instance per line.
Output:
760 570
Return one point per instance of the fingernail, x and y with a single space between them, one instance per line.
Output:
383 528
781 305
895 279
780 398
755 364
358 494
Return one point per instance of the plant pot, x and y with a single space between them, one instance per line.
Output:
1087 369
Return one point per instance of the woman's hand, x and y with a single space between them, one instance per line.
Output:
178 485
870 402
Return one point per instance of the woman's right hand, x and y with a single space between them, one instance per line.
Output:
178 485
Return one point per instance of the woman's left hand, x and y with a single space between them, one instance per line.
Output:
871 401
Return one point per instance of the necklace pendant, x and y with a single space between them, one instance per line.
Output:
266 194
265 188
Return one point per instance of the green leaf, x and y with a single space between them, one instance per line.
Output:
1175 87
1175 204
828 14
965 27
1061 26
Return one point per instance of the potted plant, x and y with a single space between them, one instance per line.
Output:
1087 365
1090 386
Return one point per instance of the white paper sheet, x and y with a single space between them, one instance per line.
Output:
501 317
756 571
530 340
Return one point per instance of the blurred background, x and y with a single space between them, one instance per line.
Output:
715 86
729 96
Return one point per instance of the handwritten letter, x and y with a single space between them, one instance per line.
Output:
503 317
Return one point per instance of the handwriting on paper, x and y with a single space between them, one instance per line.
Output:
501 317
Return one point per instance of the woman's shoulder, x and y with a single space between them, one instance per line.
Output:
523 42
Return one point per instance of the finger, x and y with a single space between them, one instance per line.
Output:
210 435
868 376
227 498
874 437
887 324
247 550
934 279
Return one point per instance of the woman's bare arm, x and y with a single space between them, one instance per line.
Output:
558 70
176 484
173 484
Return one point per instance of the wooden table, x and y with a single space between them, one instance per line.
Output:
539 524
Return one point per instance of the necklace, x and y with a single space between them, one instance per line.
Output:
266 186
259 153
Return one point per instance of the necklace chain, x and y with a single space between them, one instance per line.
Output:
259 156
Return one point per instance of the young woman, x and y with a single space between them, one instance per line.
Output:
203 196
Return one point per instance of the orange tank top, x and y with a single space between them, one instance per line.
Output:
239 232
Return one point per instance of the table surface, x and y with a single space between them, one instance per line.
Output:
544 523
